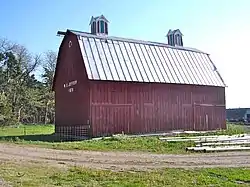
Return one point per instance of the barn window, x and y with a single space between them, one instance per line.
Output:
94 27
70 44
106 28
177 39
172 39
102 26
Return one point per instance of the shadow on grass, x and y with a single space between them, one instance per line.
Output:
41 137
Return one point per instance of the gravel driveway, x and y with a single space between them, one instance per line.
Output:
122 160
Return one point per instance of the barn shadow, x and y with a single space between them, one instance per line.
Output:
40 137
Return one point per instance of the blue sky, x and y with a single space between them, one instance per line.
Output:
219 27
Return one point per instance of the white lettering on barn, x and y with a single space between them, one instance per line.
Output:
69 84
70 89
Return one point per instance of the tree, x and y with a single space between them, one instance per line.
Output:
23 98
5 111
49 65
16 79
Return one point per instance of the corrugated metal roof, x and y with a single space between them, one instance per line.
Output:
120 59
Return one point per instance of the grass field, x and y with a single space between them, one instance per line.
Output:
23 130
36 175
39 135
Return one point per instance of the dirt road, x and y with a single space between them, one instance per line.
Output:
121 160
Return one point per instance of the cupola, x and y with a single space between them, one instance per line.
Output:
175 37
99 25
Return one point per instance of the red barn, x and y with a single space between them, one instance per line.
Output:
105 85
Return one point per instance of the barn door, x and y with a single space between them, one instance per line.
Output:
201 117
209 117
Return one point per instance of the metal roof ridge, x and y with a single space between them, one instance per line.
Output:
87 34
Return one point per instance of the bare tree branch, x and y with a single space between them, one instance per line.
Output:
50 60
28 62
31 67
6 45
49 66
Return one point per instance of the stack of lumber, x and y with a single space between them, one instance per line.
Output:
215 143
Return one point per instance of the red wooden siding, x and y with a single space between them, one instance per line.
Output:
146 108
71 107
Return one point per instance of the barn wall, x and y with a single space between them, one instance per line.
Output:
146 108
71 96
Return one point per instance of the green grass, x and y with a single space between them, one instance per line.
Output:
23 130
145 144
37 175
149 144
231 130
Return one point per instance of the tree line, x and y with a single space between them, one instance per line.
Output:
23 97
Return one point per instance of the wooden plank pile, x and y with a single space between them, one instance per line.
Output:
217 143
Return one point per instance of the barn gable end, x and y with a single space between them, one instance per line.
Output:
67 50
71 88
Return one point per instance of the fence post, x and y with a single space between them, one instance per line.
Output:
24 131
